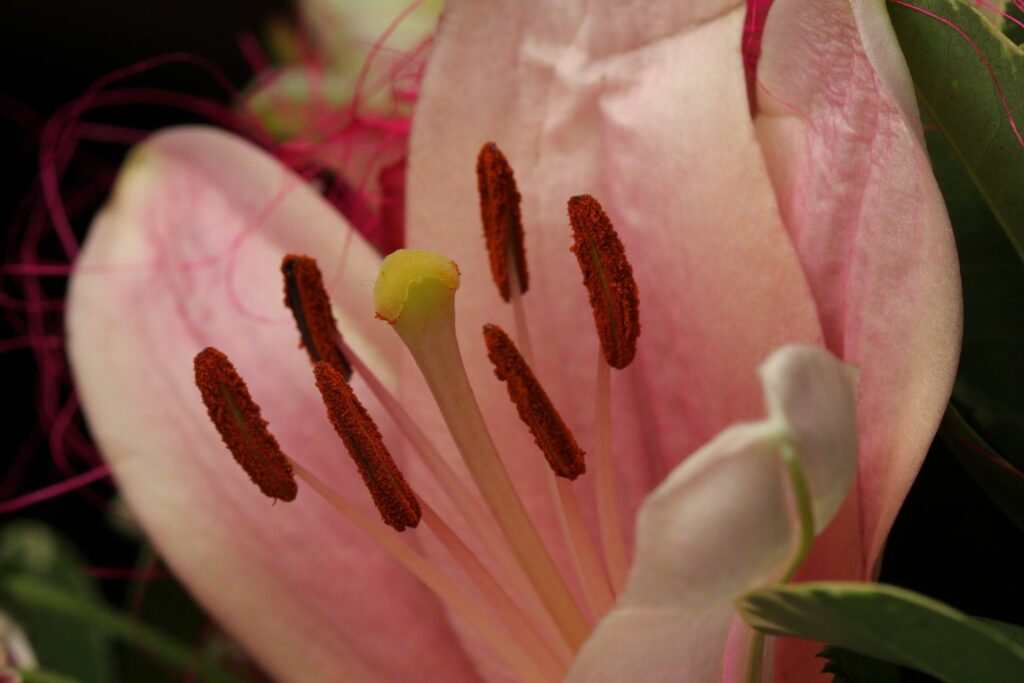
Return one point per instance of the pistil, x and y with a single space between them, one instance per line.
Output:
416 294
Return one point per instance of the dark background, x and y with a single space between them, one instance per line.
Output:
949 541
51 51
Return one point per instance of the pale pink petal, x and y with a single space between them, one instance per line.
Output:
722 523
642 105
654 644
841 134
187 254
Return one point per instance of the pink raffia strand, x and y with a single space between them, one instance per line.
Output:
54 490
354 154
371 195
43 224
128 574
981 55
1005 15
391 234
753 29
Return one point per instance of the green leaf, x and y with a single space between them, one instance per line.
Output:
985 424
1014 632
43 676
853 667
891 624
987 391
956 82
60 643
165 605
41 597
1013 30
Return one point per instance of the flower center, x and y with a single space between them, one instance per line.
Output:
534 622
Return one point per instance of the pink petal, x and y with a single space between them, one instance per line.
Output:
644 106
187 254
842 138
841 134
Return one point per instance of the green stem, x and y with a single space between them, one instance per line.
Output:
755 658
804 506
43 676
805 513
36 594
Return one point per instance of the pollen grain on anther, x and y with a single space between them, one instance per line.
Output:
499 212
306 297
242 427
552 435
608 278
392 495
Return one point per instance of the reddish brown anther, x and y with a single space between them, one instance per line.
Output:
394 499
499 211
237 417
608 278
535 408
305 295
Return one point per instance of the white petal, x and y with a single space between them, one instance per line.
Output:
723 522
814 395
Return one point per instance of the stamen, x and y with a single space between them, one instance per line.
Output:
588 568
535 408
391 494
306 296
604 483
468 505
243 429
596 587
499 212
585 561
608 278
455 599
507 609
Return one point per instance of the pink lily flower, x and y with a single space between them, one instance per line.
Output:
814 223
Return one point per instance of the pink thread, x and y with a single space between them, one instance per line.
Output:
45 216
995 9
981 55
253 53
750 44
54 490
984 453
128 574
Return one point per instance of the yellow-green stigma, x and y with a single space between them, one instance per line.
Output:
413 282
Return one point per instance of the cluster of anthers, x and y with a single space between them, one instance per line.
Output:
539 625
